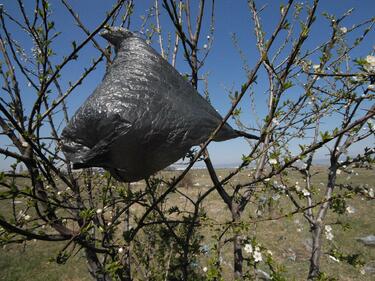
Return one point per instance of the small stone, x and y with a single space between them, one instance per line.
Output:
262 275
369 268
350 210
292 255
308 244
368 240
333 258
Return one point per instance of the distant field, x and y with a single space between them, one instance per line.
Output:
287 238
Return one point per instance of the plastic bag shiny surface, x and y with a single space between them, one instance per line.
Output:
143 116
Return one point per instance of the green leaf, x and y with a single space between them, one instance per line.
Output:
325 136
287 85
237 112
51 25
243 88
246 159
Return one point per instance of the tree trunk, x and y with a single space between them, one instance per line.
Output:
316 230
126 271
238 259
95 267
237 246
314 270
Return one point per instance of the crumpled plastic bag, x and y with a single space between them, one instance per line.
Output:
143 116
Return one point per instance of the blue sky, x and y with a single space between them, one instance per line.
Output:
223 65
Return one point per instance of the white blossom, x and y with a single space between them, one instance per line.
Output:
99 211
316 67
120 250
208 37
204 269
328 228
338 172
257 255
371 192
275 121
371 87
329 236
370 60
305 192
269 252
27 217
248 248
356 79
328 232
344 29
205 46
59 192
370 63
273 161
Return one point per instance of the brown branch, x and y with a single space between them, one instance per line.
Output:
52 237
70 57
82 26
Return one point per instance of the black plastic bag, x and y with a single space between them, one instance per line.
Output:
143 117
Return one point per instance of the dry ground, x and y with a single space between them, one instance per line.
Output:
287 238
